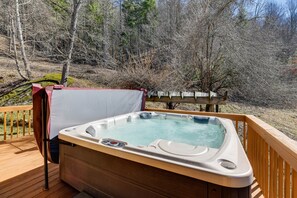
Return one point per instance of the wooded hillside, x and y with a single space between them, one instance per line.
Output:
245 47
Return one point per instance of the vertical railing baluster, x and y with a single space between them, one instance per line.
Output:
17 123
271 167
275 171
266 170
29 122
294 184
244 135
256 155
4 125
260 161
287 180
280 177
249 138
24 126
11 124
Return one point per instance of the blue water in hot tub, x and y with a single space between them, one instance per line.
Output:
142 132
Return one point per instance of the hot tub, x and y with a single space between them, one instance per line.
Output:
158 154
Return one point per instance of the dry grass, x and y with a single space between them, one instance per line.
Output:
284 120
41 67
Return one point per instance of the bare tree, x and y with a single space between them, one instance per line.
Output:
105 26
72 32
15 50
199 48
273 16
292 19
259 8
21 40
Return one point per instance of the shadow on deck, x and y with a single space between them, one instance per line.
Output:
21 173
30 184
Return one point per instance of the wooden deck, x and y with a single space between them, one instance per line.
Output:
21 172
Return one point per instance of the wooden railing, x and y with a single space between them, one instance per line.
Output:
272 154
15 121
273 157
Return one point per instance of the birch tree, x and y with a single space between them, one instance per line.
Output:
73 25
16 29
13 32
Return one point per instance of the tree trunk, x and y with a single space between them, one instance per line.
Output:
10 32
15 50
21 40
105 43
72 31
121 48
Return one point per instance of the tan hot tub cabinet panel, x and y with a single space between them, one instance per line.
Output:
113 173
88 174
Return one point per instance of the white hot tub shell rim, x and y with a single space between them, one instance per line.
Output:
240 177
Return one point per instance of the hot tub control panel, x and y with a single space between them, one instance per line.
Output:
113 143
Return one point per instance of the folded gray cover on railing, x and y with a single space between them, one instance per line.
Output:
74 106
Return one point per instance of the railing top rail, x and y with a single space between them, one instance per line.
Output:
235 117
16 108
282 144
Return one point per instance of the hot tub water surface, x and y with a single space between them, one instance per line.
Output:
142 132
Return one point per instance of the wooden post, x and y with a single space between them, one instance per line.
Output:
209 108
169 105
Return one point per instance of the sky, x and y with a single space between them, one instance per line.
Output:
279 1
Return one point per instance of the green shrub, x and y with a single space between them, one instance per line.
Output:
52 77
23 93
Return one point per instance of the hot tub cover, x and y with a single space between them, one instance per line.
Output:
67 107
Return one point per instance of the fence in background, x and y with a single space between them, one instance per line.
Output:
15 121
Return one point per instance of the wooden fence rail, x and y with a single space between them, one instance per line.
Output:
272 154
15 121
273 157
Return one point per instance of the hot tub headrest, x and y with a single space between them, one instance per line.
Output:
201 120
145 115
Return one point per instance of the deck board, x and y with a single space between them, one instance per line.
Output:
21 173
256 190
